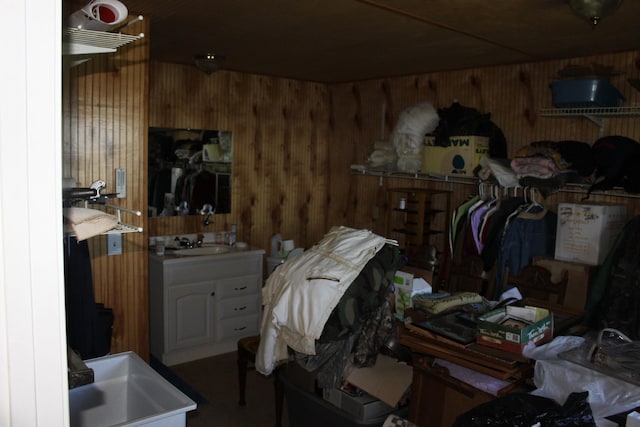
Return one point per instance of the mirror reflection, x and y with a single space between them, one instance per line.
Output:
189 171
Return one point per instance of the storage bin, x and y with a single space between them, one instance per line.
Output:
127 392
310 410
585 93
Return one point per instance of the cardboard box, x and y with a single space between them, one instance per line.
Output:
403 283
586 231
460 158
579 279
511 328
364 408
406 286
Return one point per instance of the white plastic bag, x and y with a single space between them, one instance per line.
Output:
556 379
408 135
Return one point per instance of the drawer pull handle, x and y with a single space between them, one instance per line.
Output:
213 294
240 329
241 289
244 307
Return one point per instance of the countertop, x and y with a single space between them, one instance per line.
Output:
170 257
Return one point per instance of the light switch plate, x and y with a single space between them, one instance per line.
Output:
114 244
121 183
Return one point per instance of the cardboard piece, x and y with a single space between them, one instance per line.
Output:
586 231
388 380
460 158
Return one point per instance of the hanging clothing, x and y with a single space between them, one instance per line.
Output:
202 186
85 332
458 217
495 229
529 234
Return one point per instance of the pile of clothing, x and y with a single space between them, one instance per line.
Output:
549 165
328 306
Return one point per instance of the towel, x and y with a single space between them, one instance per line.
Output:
87 223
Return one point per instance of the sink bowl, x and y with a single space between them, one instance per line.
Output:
206 250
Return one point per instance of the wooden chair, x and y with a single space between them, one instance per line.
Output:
247 350
535 282
469 277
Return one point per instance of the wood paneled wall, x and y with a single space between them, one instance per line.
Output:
280 148
293 144
513 95
105 127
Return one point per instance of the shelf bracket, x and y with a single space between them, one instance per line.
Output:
598 121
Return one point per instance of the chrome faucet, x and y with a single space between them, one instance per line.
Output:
208 211
189 244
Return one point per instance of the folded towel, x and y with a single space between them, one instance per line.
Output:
87 223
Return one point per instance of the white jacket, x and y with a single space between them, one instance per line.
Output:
300 294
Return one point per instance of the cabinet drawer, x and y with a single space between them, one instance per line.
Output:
204 268
237 327
239 286
237 307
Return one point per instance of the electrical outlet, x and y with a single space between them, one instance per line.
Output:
121 183
114 244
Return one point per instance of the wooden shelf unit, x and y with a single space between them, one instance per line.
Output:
421 220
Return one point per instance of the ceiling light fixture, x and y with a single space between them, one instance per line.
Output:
593 10
208 62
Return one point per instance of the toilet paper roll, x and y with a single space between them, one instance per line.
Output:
99 15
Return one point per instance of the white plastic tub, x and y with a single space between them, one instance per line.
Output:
127 392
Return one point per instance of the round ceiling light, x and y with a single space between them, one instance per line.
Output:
208 62
593 10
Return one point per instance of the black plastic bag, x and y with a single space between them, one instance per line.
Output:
525 410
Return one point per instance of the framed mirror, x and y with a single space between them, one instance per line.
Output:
189 169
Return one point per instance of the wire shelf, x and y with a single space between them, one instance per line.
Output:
594 111
77 41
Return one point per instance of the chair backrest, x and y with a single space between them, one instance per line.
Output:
470 277
534 281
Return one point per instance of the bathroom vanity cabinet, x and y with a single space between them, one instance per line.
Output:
199 306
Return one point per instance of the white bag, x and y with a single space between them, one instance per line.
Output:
556 379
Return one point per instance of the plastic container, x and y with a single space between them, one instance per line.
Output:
127 392
585 93
310 410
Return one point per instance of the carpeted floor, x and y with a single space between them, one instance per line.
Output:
216 379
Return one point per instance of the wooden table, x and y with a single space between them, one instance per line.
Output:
437 398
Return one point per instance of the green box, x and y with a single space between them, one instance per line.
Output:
510 328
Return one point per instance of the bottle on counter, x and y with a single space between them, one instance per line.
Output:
233 234
160 244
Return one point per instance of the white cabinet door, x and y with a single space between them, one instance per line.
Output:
191 315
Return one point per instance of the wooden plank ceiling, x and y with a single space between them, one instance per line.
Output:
349 40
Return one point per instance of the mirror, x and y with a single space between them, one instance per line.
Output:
189 169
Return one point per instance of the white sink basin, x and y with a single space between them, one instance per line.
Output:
206 250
